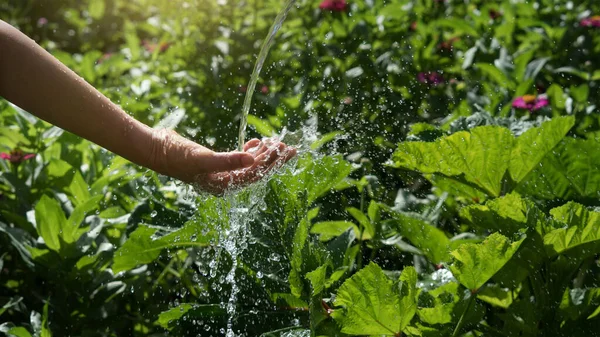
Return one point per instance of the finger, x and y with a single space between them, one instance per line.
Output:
275 157
265 144
266 159
284 156
228 161
253 143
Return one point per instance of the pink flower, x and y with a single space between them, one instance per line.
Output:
264 89
593 21
16 156
41 22
430 78
334 5
530 102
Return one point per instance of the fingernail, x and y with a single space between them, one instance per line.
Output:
247 161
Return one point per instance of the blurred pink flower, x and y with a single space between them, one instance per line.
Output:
530 102
430 78
264 89
348 100
334 5
413 26
41 22
593 21
16 156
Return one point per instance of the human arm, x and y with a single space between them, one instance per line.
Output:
34 80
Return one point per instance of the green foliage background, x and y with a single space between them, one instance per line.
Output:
423 210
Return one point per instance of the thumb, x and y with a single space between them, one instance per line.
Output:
229 161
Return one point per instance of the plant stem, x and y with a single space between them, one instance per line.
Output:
462 317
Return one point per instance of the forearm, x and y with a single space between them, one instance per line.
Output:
34 80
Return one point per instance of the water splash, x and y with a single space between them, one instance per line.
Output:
260 61
241 207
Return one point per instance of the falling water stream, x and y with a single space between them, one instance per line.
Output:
242 206
260 61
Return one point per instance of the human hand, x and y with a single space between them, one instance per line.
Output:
215 172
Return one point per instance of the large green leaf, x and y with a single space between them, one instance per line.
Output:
408 295
316 176
506 214
482 155
374 305
51 222
475 264
432 241
531 146
571 170
142 248
582 231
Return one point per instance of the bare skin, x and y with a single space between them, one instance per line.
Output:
34 80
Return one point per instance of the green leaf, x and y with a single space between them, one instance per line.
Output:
496 296
582 231
317 176
168 319
475 264
432 241
495 74
506 214
373 212
50 221
531 147
363 220
290 300
18 332
580 93
442 306
317 279
297 260
408 295
71 231
570 70
141 248
79 189
373 305
96 9
326 138
459 26
482 155
331 229
263 127
580 303
45 329
557 96
570 170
